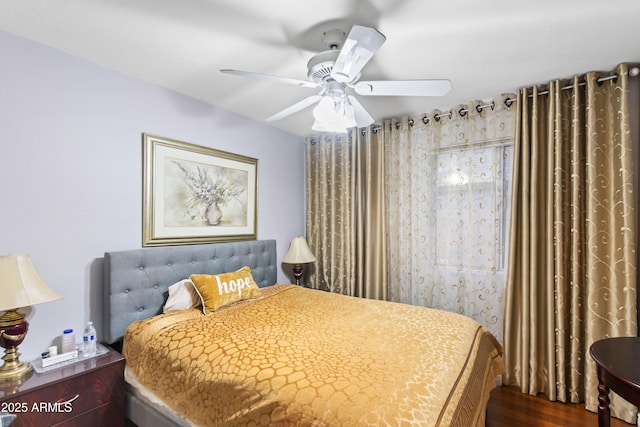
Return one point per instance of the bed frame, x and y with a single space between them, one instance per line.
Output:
136 283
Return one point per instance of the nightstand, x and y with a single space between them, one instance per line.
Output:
87 393
617 364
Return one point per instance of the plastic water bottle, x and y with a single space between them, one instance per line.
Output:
89 340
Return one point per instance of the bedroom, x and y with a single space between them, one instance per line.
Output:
72 132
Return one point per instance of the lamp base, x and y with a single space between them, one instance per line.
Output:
298 271
13 329
12 371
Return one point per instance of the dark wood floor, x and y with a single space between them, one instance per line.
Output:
508 408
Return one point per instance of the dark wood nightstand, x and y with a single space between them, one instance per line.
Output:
87 393
617 363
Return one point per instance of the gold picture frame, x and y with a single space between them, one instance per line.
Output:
194 194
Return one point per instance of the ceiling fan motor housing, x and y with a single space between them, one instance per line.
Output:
320 65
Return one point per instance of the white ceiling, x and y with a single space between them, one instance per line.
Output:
484 47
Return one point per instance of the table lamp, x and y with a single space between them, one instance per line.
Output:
20 286
299 253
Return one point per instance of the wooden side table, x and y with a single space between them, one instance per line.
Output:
87 393
618 370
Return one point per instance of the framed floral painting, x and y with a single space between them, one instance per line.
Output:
195 194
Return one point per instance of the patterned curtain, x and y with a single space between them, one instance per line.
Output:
345 213
572 260
448 188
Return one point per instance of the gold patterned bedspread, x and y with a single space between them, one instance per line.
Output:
303 357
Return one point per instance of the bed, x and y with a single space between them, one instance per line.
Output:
290 355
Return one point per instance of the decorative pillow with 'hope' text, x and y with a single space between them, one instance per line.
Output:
220 290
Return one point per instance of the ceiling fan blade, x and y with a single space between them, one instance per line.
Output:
403 87
361 116
295 108
279 79
359 47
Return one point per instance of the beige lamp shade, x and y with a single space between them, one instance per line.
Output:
299 252
20 285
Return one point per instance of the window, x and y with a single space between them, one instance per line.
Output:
472 205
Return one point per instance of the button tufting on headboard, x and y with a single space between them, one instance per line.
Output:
142 276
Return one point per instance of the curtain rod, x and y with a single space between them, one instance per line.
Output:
600 80
633 72
437 117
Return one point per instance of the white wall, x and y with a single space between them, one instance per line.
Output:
71 172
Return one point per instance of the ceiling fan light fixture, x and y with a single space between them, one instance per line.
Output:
332 116
325 110
327 127
348 118
330 127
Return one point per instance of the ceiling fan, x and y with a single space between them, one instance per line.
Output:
337 70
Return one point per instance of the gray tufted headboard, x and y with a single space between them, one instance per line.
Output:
136 281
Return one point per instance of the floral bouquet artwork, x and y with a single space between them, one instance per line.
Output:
194 194
202 191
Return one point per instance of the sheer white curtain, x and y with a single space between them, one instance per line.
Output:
448 192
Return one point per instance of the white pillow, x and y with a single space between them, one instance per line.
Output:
182 296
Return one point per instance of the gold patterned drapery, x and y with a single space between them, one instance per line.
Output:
345 213
448 181
572 261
